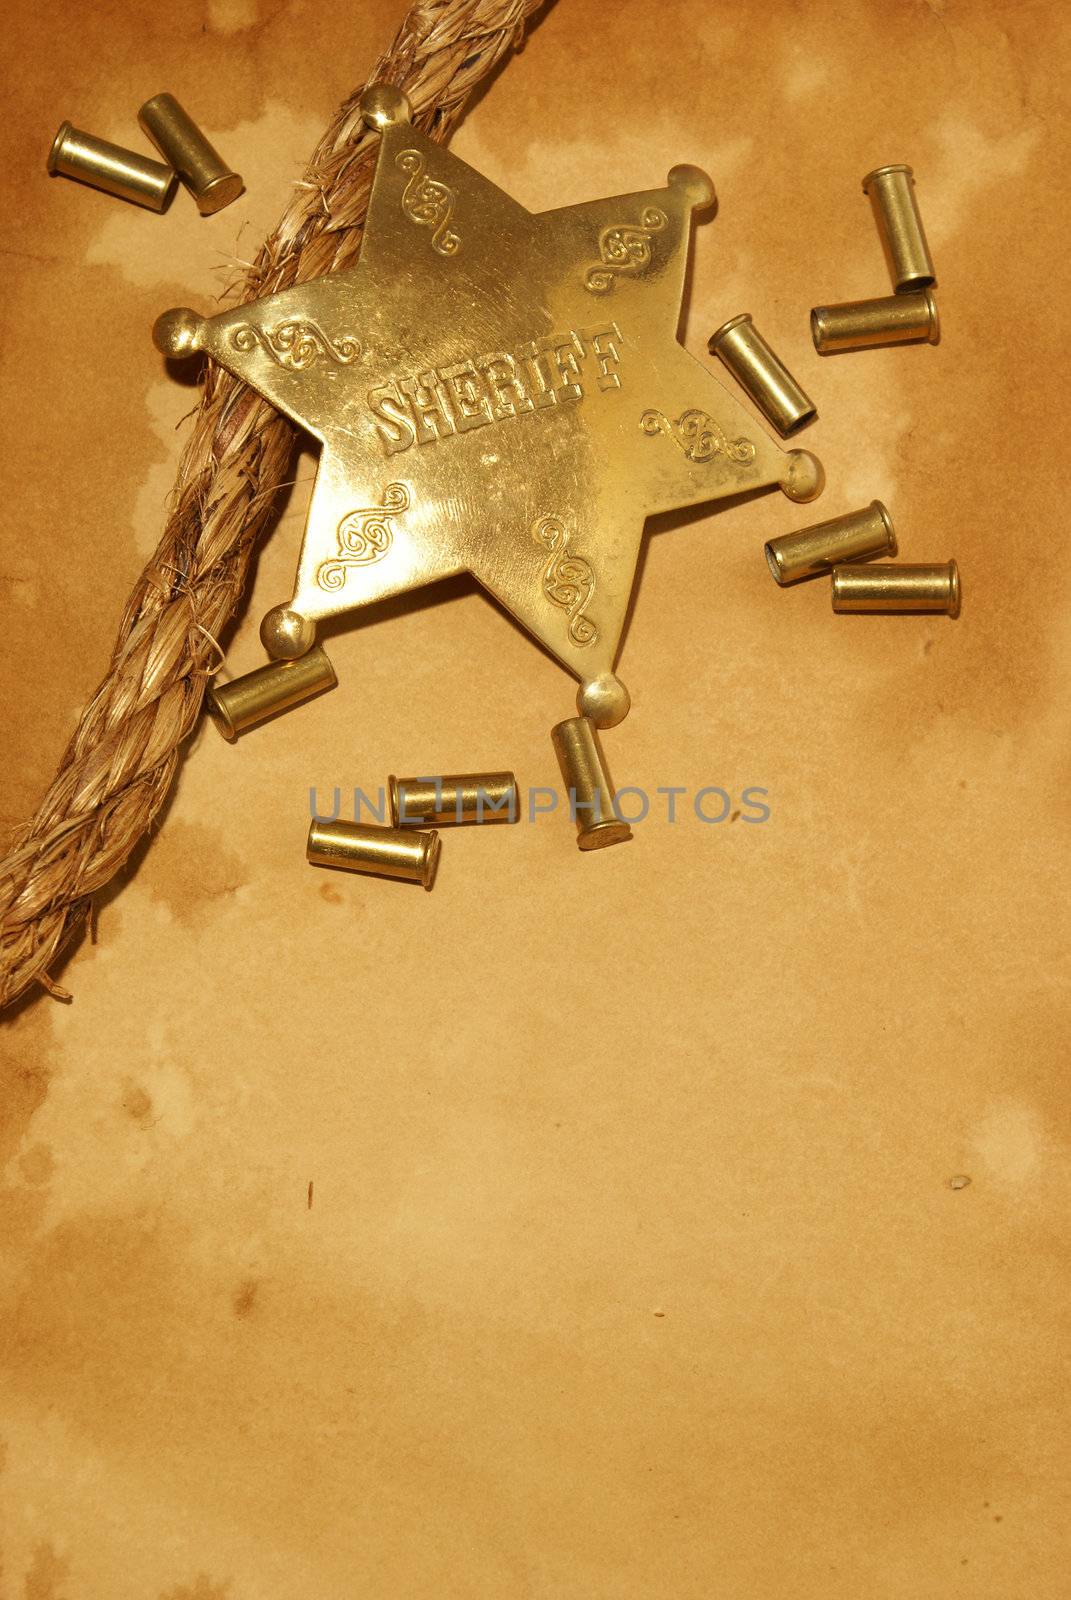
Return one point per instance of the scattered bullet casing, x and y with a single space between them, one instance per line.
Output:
897 588
388 852
199 165
849 538
587 782
739 345
894 319
456 797
106 166
891 191
245 701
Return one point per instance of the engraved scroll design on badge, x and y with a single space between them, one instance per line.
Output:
568 580
363 537
428 202
698 435
624 247
296 344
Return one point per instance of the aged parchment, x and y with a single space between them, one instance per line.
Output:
634 1264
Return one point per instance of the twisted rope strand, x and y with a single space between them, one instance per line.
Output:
119 766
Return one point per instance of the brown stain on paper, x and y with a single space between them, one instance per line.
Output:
46 1578
191 869
24 1080
202 1588
245 1297
137 1103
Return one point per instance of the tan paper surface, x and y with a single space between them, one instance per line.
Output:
633 1265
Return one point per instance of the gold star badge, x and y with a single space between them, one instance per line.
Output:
495 392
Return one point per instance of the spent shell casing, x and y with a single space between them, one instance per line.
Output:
855 536
891 191
457 797
890 587
112 168
588 786
384 852
762 374
279 686
892 319
198 163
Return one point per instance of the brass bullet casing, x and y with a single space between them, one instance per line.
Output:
894 319
896 588
109 167
587 782
891 191
198 163
388 852
739 345
245 701
454 798
856 536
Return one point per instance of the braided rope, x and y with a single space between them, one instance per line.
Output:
118 768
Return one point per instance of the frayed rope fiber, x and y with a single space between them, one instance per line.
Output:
118 768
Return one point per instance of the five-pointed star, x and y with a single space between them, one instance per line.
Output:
497 392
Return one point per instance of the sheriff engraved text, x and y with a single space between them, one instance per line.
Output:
556 369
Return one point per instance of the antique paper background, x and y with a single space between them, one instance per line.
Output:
633 1267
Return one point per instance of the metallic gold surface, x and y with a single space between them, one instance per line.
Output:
589 789
245 701
386 852
856 535
739 345
106 166
498 392
897 588
197 162
454 798
893 319
892 196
